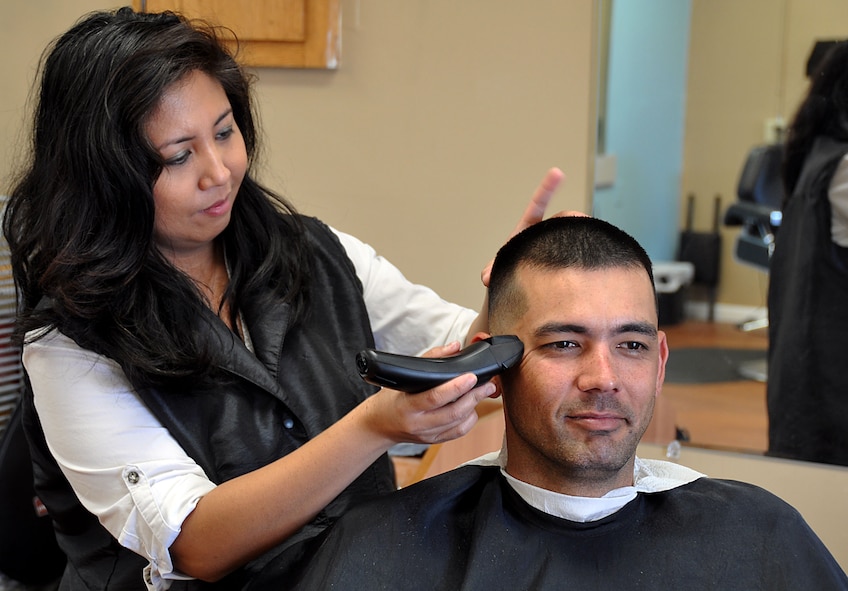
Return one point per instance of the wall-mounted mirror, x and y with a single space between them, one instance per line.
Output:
691 86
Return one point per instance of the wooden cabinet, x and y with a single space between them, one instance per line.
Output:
270 33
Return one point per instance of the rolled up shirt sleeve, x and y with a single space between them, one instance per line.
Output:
838 195
122 463
406 317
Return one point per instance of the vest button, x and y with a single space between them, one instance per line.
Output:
288 423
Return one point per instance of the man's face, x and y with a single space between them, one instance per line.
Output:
584 393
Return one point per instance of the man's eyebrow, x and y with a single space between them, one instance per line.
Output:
558 328
644 328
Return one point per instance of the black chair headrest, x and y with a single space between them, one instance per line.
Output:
760 181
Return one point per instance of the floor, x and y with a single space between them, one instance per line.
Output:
724 415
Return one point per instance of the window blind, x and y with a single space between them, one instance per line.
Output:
11 371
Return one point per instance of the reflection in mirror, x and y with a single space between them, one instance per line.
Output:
691 87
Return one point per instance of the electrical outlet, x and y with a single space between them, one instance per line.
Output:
775 130
605 170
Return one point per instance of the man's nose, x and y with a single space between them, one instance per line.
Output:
598 371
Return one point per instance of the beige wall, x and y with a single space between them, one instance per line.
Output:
746 65
440 122
427 141
25 29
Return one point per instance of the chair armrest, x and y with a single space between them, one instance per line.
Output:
745 214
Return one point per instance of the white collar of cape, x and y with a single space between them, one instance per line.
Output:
649 476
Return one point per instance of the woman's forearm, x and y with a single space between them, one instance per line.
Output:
244 517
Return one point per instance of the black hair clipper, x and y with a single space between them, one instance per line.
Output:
485 359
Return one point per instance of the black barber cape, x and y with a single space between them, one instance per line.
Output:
469 530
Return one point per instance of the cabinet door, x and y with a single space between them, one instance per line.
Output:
270 33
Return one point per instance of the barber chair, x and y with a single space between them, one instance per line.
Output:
758 208
758 212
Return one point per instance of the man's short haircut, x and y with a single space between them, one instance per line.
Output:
558 243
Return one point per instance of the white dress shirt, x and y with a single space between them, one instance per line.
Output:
838 196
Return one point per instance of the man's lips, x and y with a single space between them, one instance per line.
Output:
597 421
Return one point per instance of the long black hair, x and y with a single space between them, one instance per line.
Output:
79 221
823 112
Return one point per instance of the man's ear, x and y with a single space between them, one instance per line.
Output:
663 359
479 337
498 387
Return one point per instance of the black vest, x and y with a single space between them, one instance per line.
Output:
807 389
300 380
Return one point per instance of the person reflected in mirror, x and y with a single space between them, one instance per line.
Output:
566 503
806 388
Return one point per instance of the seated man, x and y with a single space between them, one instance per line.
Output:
567 504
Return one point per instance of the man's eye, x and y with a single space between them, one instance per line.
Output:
634 346
561 345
